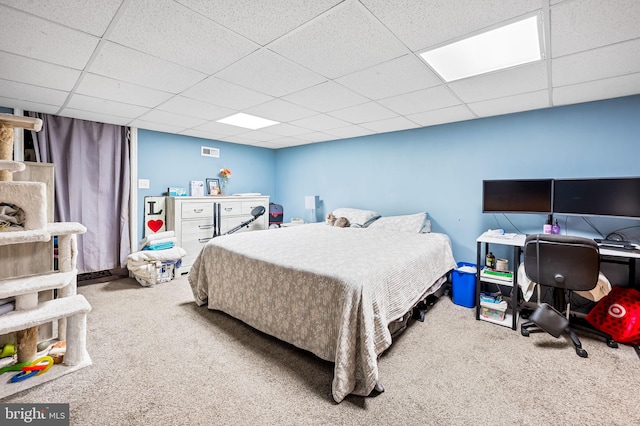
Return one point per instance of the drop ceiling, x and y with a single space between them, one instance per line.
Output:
324 69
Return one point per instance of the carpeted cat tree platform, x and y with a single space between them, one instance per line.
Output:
69 309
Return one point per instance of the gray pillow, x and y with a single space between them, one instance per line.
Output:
413 223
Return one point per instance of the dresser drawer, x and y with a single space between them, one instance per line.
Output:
197 210
231 208
197 226
248 206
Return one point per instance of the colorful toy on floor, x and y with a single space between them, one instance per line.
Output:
34 368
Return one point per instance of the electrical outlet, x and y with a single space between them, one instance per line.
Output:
143 183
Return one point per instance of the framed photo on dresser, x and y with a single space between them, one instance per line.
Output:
213 186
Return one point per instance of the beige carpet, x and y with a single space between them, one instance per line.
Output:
161 360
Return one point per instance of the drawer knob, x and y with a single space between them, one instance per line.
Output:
205 226
198 210
204 240
228 209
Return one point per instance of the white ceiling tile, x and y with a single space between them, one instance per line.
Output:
315 137
595 64
50 42
284 143
90 16
320 122
349 131
270 73
221 129
259 136
172 119
29 106
285 129
220 92
344 40
122 63
363 113
281 111
596 90
421 101
97 105
98 117
26 70
170 31
325 97
397 76
581 25
421 24
511 104
26 92
196 133
527 78
442 116
261 22
159 127
114 90
187 106
390 125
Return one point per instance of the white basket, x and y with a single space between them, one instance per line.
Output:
162 272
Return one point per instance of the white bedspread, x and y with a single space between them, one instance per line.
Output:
331 291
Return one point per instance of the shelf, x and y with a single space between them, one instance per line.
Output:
58 370
35 283
45 312
495 280
506 322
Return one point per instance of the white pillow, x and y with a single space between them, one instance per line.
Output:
413 223
358 218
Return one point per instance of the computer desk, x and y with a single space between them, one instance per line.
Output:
607 255
623 257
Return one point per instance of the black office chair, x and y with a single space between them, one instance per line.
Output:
567 264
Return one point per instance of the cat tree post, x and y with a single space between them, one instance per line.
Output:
26 340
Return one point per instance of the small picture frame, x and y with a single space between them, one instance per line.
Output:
213 186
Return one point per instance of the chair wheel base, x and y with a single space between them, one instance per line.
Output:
582 353
612 344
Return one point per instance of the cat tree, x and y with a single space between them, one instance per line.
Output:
69 309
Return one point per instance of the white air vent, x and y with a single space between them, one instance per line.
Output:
206 151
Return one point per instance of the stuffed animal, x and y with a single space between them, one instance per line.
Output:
341 222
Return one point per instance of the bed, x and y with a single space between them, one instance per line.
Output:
328 290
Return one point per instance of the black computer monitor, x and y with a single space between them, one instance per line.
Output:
517 196
597 197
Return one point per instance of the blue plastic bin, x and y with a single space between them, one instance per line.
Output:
463 286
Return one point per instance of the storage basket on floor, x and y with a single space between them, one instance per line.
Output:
463 285
161 272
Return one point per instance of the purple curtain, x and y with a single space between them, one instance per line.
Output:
91 185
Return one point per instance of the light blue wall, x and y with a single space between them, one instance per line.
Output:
173 160
440 169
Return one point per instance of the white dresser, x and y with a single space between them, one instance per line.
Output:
191 218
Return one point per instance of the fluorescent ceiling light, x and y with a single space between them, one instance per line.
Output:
504 47
247 121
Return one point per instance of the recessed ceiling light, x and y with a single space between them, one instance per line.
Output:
508 46
247 121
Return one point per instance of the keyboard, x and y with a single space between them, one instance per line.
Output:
614 244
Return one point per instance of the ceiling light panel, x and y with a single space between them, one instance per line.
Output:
505 47
247 121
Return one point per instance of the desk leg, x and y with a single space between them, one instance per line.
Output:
515 292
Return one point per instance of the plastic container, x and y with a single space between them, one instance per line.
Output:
493 311
463 285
